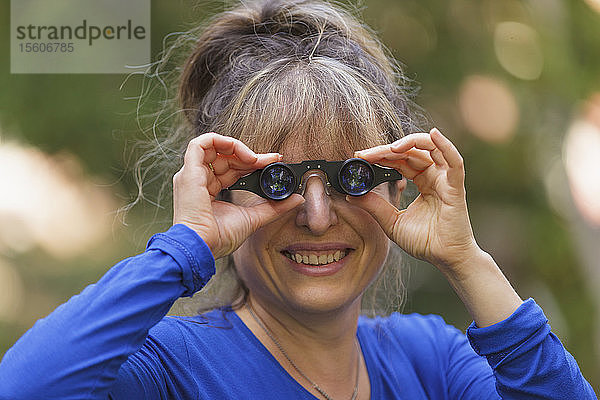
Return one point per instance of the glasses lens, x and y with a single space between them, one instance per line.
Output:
277 181
356 177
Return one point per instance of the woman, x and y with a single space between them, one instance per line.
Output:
296 81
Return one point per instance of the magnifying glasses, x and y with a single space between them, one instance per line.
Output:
278 181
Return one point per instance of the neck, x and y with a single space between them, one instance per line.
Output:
323 346
309 329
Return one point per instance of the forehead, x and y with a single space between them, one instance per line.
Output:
298 148
320 110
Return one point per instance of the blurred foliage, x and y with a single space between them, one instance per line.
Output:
441 43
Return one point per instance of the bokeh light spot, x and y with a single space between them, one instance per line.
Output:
594 5
581 153
48 202
488 108
518 50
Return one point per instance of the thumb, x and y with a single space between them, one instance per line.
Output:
379 208
263 213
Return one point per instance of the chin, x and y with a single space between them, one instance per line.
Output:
321 299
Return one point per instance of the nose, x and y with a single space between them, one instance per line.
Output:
317 212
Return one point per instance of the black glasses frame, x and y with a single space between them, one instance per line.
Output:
331 169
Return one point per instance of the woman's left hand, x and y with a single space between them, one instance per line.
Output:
435 227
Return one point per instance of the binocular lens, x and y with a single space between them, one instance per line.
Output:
356 177
277 181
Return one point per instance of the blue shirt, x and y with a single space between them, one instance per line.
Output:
113 341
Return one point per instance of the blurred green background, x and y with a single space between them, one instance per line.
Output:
513 83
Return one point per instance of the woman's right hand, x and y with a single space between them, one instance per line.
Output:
223 226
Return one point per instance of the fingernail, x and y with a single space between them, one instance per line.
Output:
300 197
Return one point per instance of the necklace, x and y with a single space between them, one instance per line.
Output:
314 385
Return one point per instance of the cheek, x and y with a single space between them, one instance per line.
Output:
248 268
375 257
382 246
249 260
375 241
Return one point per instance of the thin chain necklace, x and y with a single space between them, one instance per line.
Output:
314 385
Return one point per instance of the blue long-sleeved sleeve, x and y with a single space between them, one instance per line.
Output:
78 349
528 361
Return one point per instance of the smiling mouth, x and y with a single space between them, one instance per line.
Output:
323 258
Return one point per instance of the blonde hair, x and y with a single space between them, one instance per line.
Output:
270 71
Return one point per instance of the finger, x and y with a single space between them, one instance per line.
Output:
226 176
417 140
224 163
210 154
244 152
220 143
224 180
411 143
456 172
409 172
373 151
210 142
419 159
402 166
421 141
438 157
265 212
199 150
384 213
447 148
376 157
415 158
396 164
389 155
194 154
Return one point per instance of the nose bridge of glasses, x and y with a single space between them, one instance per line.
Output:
318 173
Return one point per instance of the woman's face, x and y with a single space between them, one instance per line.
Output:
317 233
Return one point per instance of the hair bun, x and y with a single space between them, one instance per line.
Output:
239 42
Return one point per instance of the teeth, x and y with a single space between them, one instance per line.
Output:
313 259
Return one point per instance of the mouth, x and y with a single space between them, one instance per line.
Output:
317 259
318 263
